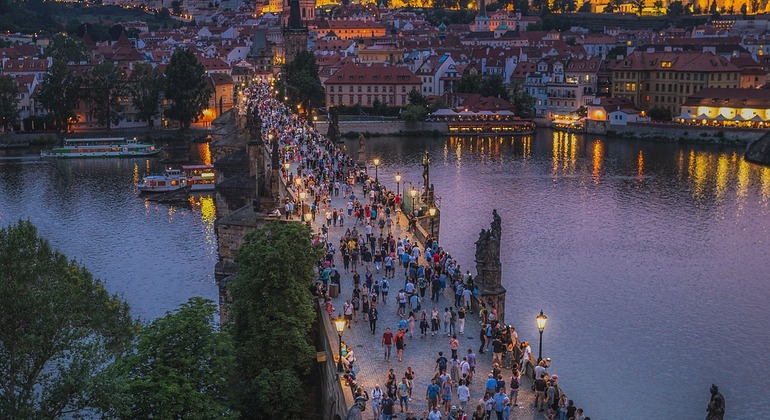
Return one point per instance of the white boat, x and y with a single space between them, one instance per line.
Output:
192 177
170 181
101 147
200 177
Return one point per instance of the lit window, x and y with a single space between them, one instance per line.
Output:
665 64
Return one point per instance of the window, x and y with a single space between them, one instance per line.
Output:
376 89
359 89
665 64
350 89
631 87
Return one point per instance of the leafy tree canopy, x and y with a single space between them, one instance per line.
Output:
186 87
9 101
67 49
145 86
59 328
301 83
179 368
59 93
271 318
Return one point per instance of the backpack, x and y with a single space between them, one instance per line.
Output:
442 362
514 382
384 285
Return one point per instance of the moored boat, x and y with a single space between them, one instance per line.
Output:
192 177
200 177
101 147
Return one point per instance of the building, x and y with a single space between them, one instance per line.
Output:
295 33
727 108
357 84
666 79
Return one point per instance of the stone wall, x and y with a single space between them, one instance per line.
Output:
382 127
336 396
759 151
675 132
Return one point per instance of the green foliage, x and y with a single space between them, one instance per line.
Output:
585 8
417 98
179 368
617 51
524 103
186 88
67 49
675 9
272 315
582 112
59 93
300 82
145 86
9 101
488 86
565 6
59 327
414 114
660 114
104 84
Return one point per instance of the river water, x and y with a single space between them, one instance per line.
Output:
155 255
649 259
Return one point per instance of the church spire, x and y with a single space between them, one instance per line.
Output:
483 8
295 20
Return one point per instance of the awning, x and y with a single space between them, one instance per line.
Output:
738 117
720 117
504 112
686 117
444 112
756 118
702 117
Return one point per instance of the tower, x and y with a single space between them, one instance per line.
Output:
295 33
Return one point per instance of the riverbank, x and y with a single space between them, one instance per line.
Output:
676 133
759 151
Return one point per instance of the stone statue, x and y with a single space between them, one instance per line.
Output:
426 171
274 156
334 125
716 407
488 254
361 150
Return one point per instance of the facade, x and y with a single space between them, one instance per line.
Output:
727 107
666 79
364 84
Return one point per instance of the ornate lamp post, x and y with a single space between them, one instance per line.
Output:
286 167
432 213
541 320
413 194
398 183
302 196
308 218
376 167
339 324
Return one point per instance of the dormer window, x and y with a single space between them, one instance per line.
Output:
665 64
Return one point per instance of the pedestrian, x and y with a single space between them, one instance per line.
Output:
472 364
441 363
403 394
447 393
377 395
400 343
411 320
435 323
463 395
423 323
454 344
431 394
373 318
387 407
447 320
387 342
409 375
515 384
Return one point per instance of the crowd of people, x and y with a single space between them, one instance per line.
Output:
380 261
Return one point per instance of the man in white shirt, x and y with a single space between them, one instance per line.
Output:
463 393
376 399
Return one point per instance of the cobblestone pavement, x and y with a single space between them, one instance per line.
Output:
420 353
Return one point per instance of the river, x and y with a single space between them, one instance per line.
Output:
154 255
649 259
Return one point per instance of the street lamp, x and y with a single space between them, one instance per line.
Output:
398 183
339 324
541 320
302 196
308 218
432 213
376 166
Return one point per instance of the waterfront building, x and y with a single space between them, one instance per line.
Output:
349 29
666 79
364 84
749 108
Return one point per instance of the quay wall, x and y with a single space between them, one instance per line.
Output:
759 151
675 132
336 397
392 127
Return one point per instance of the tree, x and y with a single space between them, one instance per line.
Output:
301 82
67 49
414 114
179 368
469 83
176 7
493 86
754 6
59 93
639 6
145 86
9 101
585 8
417 98
186 88
659 114
658 6
104 85
524 103
59 328
273 310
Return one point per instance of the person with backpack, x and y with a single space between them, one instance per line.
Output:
441 363
384 287
515 384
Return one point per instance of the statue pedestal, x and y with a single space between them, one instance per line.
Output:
495 298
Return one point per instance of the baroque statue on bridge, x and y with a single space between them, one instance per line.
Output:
488 253
716 407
